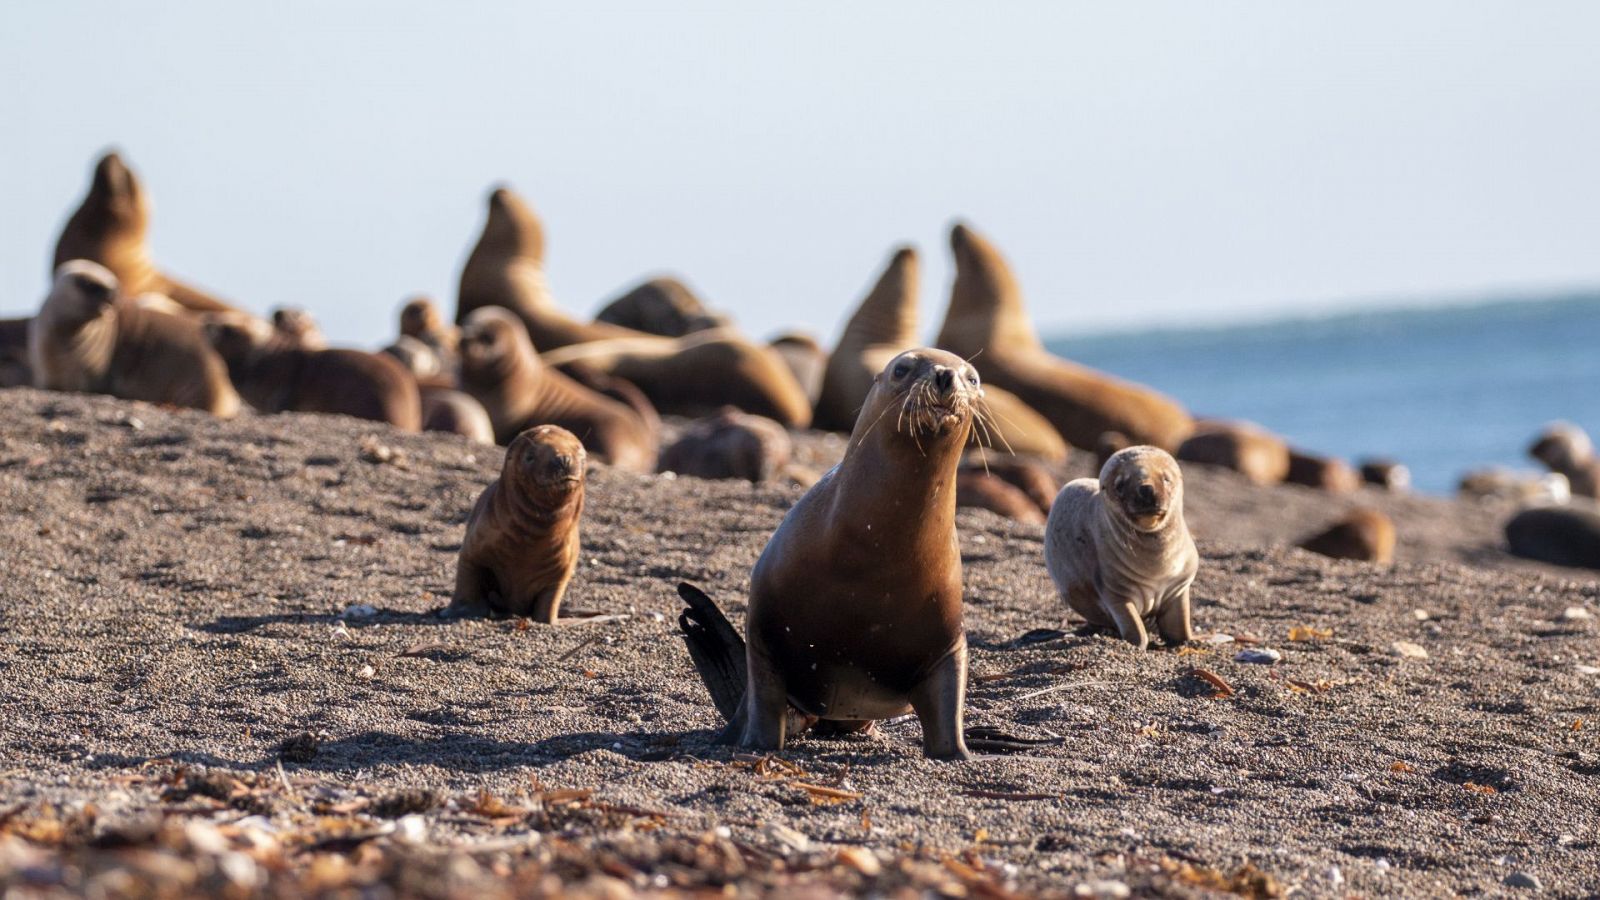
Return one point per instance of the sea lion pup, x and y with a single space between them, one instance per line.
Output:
521 546
885 324
663 306
299 327
1321 472
1362 534
506 268
87 337
855 604
501 371
15 370
444 408
1119 551
986 316
110 228
1386 474
805 358
977 489
274 375
1559 535
730 444
1566 448
420 319
1243 447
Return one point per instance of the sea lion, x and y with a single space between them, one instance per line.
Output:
521 546
110 228
1566 448
1107 445
987 323
1362 534
977 489
87 337
1386 474
1027 476
619 389
884 325
1500 483
1559 535
730 444
444 408
506 269
663 306
1322 472
501 371
855 604
15 370
1244 447
805 358
274 375
420 319
1119 551
299 327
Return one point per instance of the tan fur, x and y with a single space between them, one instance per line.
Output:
1565 448
806 361
299 327
730 444
1321 472
977 489
1363 534
1244 447
421 320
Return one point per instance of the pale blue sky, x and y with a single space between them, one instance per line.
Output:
1135 160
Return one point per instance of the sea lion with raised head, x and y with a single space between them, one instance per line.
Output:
88 337
299 327
15 370
1566 448
420 319
1244 447
663 306
730 444
987 323
1119 551
521 546
276 375
1324 473
1364 534
884 325
855 604
500 370
110 228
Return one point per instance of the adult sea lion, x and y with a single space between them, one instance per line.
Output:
730 444
444 408
110 228
500 370
276 375
521 546
884 325
420 319
1243 447
1119 551
1322 472
855 604
1362 534
977 489
1566 448
664 306
15 370
1559 535
299 327
805 358
1386 474
987 323
88 337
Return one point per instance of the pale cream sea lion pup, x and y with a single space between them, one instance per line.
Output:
1119 551
1566 449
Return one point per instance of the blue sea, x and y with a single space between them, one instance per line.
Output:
1442 390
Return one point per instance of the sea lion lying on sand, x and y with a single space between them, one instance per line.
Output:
521 546
1386 474
299 327
663 306
15 370
977 489
420 319
730 444
444 408
1559 535
87 337
1119 551
1363 534
805 358
1321 472
1566 448
1243 447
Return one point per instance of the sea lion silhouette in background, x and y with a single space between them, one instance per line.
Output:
88 337
501 371
884 325
1559 535
1322 472
299 327
1386 474
1362 534
730 444
987 323
275 375
1565 448
444 408
110 228
420 319
1244 447
977 489
15 370
806 361
663 306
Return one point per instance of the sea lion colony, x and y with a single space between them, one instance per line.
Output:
855 613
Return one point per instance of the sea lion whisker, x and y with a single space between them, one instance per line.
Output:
984 411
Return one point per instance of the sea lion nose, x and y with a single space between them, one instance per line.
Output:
1147 494
944 377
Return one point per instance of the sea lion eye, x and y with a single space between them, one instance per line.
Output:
901 369
972 379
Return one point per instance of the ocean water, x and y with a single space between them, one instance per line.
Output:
1443 390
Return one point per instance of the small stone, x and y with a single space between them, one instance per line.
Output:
1334 876
861 859
1408 650
1265 656
1103 888
360 611
1587 670
366 672
1421 615
1576 614
412 829
1217 639
788 837
1524 880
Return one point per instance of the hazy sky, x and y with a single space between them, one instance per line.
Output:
1135 160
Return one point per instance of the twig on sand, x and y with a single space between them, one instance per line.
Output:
581 644
1066 687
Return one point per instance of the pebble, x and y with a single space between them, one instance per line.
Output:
1263 655
1576 614
1408 650
1218 639
360 611
1421 615
1524 880
861 859
366 672
788 837
1587 670
1102 888
1334 876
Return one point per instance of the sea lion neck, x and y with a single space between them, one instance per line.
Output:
888 315
986 311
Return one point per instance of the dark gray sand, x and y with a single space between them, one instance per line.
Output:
187 605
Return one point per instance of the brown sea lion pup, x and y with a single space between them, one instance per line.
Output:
274 375
977 489
110 228
987 323
1363 534
506 269
1566 448
1559 535
1322 472
1386 474
420 319
521 546
299 327
15 370
805 358
663 306
855 604
1119 551
87 337
884 325
730 444
1244 447
501 371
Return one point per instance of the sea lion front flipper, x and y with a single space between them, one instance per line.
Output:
1174 623
471 596
939 702
716 648
1130 627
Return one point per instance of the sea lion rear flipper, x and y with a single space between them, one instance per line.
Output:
987 739
716 648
